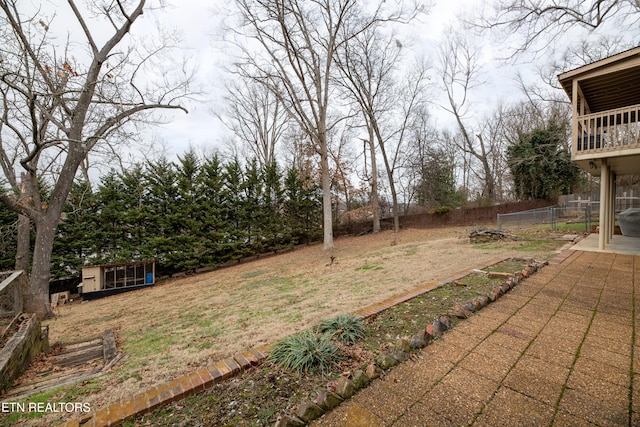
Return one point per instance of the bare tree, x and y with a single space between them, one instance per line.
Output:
429 167
458 71
536 22
343 169
257 117
369 66
297 43
57 108
392 135
494 140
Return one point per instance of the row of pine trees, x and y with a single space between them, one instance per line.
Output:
185 215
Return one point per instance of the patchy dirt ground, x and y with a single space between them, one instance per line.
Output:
185 323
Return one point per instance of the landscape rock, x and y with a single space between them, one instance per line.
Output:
327 400
345 388
439 327
460 312
287 421
309 411
498 291
499 275
360 379
403 345
432 331
373 371
419 340
483 301
399 355
446 321
385 362
469 306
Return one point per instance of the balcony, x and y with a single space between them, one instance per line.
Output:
609 132
605 103
605 106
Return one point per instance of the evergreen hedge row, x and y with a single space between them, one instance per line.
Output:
186 215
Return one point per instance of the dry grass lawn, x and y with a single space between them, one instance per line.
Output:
185 323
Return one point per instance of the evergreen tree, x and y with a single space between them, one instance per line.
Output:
116 225
8 238
134 216
109 223
189 239
185 216
253 212
233 201
302 208
273 204
76 233
214 227
163 215
540 166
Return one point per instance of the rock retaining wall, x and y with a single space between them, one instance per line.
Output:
26 344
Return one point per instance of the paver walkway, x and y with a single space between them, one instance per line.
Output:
557 350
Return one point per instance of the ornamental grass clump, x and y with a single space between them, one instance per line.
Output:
345 327
306 352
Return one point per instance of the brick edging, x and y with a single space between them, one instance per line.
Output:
179 388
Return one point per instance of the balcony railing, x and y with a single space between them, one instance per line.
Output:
608 131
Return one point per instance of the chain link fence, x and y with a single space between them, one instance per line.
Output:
577 218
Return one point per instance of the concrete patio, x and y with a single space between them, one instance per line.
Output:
559 350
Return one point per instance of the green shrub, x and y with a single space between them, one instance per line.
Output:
440 210
345 327
305 352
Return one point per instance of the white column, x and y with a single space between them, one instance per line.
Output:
613 203
612 219
604 201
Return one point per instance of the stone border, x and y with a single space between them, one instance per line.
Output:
204 378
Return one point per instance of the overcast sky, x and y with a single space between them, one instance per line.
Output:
199 22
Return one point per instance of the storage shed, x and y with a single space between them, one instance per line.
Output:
110 279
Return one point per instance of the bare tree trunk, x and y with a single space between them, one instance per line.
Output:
36 298
23 248
394 194
299 41
489 183
327 217
375 204
24 243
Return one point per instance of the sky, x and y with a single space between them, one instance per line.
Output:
200 21
199 24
